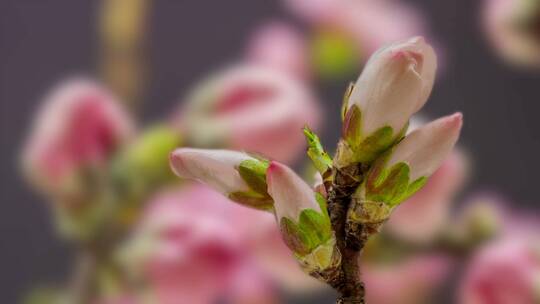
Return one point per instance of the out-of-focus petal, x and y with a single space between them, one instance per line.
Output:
252 108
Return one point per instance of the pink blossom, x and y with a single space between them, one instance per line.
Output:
79 127
506 271
411 281
423 215
195 246
252 108
511 26
369 23
280 46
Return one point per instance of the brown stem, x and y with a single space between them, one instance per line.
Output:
82 281
347 282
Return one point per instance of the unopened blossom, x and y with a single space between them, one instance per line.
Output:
250 107
426 148
424 215
195 246
77 130
303 218
395 83
280 46
238 175
404 169
512 27
506 271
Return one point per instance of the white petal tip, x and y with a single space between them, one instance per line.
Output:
417 39
275 168
176 162
454 121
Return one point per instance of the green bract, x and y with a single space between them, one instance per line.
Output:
391 185
364 148
311 230
253 172
321 160
253 199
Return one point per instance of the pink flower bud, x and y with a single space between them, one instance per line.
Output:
422 216
194 246
290 193
278 45
217 168
395 83
424 149
250 108
79 126
507 271
512 27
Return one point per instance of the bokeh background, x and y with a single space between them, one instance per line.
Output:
42 41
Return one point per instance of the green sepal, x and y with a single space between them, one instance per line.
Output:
253 199
311 231
358 148
345 103
294 237
253 172
321 160
368 212
391 185
352 126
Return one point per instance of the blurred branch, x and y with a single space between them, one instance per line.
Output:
83 278
122 27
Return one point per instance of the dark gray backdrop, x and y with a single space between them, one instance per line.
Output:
43 40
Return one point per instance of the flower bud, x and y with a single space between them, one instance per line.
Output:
237 175
507 271
303 218
395 83
252 108
423 216
76 132
403 170
512 28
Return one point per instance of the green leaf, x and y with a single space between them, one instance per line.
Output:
321 160
253 200
253 172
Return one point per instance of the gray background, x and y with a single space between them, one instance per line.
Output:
43 40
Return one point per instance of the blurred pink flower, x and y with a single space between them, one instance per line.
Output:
280 46
504 272
252 108
79 127
512 27
411 281
195 246
422 216
369 23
